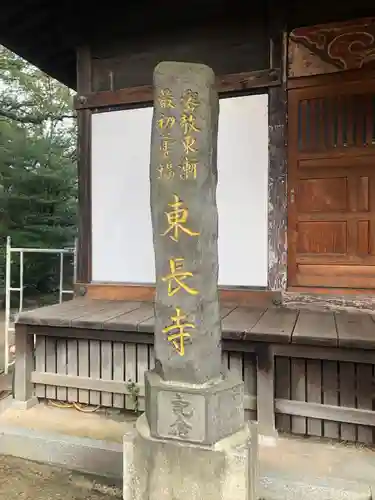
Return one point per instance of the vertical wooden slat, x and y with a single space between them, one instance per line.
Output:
329 125
364 391
118 371
94 353
142 367
340 121
347 397
130 371
72 368
225 361
369 119
360 110
312 126
236 364
348 118
61 367
83 368
151 357
298 392
250 380
320 123
303 129
282 383
40 363
51 365
330 395
314 393
106 370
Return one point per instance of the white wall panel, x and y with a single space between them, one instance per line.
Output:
122 249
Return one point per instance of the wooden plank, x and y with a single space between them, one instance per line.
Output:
236 364
57 313
142 367
23 385
225 310
40 364
328 353
298 392
106 370
148 325
275 325
239 321
94 356
317 328
97 317
61 366
50 365
130 320
250 379
347 397
82 383
329 413
89 334
130 371
364 392
151 356
314 394
265 387
119 372
225 361
282 390
83 368
355 330
330 395
225 83
72 368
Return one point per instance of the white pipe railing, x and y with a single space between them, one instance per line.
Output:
9 289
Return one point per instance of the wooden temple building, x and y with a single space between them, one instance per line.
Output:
296 200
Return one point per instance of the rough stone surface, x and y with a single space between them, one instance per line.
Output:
183 176
167 470
198 414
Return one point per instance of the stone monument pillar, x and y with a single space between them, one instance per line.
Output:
192 443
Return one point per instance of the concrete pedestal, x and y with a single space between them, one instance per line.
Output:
157 469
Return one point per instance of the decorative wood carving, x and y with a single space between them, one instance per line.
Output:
332 47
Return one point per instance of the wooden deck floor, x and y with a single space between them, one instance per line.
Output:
276 324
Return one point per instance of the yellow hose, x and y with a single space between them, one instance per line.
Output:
78 406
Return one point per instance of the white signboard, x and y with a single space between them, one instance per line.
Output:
122 249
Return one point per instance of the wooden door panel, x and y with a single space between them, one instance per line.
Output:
331 183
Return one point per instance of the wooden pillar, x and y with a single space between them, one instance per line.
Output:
84 167
277 150
23 387
266 390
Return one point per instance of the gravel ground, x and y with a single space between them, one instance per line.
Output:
24 480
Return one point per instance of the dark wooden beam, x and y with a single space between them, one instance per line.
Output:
84 169
237 82
277 170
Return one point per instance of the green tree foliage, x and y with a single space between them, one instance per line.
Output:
38 182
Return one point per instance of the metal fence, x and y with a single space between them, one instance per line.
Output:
10 251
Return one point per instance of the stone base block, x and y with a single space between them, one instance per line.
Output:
192 413
25 405
170 470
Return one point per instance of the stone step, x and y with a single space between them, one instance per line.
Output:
290 468
275 487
